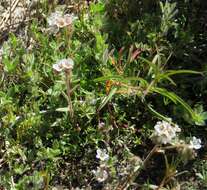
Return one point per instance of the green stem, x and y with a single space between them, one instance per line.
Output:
68 84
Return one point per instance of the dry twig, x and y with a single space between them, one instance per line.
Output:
7 17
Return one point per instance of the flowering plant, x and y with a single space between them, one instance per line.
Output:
57 20
63 65
164 132
102 155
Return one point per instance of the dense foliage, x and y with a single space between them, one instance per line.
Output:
91 126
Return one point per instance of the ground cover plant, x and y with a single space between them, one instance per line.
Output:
103 94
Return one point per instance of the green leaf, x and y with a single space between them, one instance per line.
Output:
176 99
109 77
120 78
169 73
201 119
97 8
157 114
10 65
151 64
65 109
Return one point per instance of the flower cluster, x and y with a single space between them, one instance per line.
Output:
101 173
164 132
57 20
63 65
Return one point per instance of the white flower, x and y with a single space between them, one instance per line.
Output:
60 20
164 132
52 19
68 19
101 174
102 155
53 22
63 65
67 64
177 128
57 67
195 143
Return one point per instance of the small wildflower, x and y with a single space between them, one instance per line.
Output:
176 128
102 155
195 143
101 174
164 132
68 19
60 22
63 65
57 19
52 19
67 64
57 67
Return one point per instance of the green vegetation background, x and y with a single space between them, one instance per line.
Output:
136 62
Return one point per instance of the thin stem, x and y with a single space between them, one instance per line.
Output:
162 183
150 155
133 176
68 84
174 146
